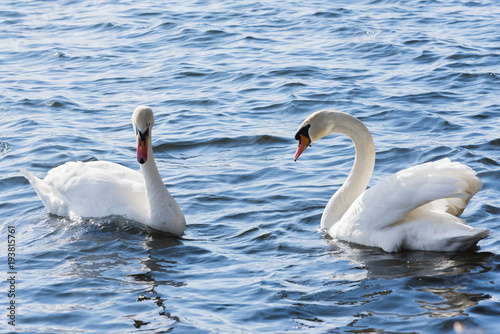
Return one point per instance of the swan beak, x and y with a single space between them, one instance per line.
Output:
304 142
142 146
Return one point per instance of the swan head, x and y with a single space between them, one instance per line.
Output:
314 127
142 121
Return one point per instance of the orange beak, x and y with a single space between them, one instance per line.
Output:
304 142
142 146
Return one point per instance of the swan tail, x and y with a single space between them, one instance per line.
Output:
454 240
468 241
51 197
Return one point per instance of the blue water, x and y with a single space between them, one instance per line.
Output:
230 81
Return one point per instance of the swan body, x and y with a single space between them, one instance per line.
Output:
101 188
415 209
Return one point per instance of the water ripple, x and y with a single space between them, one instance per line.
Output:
230 82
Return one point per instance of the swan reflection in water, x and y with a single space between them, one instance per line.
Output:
114 249
440 284
158 270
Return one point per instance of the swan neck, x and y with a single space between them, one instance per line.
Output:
150 171
156 191
159 199
360 174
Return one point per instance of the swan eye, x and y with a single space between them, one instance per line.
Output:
304 131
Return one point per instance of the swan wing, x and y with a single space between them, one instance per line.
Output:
444 172
419 203
93 189
447 186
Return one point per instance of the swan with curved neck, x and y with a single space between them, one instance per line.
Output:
414 209
101 188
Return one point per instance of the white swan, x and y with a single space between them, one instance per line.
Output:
414 209
101 188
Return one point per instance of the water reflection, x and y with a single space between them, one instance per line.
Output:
414 284
454 302
158 269
112 258
382 265
155 265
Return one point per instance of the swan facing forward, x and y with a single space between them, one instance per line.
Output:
101 188
414 209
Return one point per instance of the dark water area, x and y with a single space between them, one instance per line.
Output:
230 82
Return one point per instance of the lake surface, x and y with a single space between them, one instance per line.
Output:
230 82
